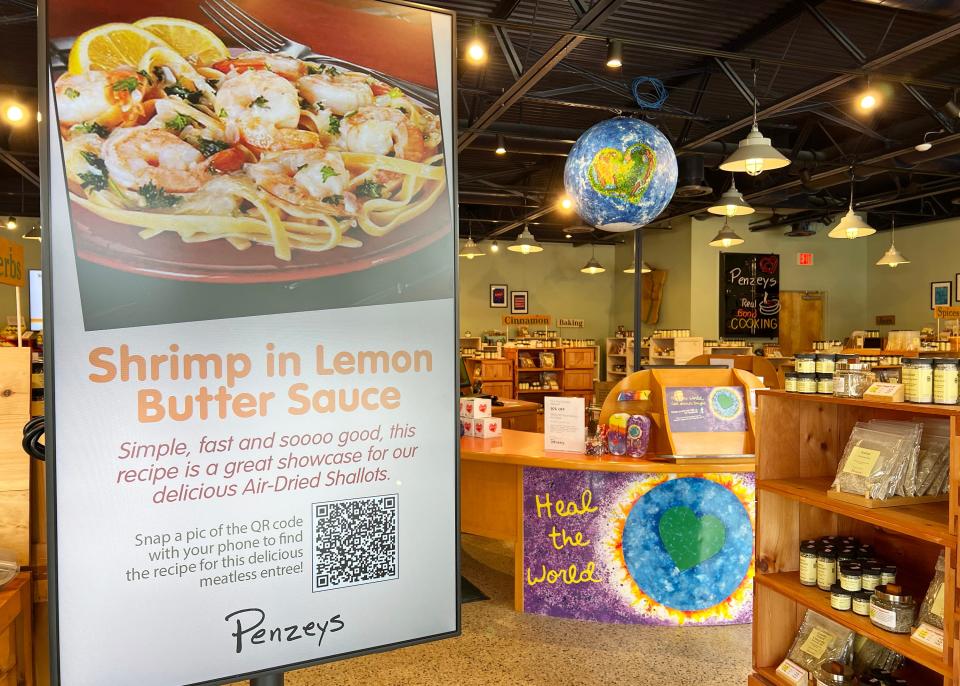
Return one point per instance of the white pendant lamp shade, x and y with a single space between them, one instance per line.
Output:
471 250
754 155
592 267
892 257
632 269
853 225
645 268
33 234
726 237
525 243
731 203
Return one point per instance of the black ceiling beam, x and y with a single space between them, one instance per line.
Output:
505 8
20 168
561 48
949 32
847 44
737 82
695 106
510 54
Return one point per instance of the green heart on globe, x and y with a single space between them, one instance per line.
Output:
621 174
689 540
725 401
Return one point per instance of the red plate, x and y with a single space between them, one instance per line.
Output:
165 256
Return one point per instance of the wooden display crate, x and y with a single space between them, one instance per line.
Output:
800 440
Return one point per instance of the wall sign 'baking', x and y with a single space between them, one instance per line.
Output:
749 294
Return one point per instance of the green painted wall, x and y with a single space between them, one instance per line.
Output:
31 256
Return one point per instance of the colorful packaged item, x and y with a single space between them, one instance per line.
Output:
638 435
617 433
627 396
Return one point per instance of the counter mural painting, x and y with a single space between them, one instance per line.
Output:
635 548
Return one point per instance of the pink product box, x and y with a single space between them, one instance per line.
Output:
469 426
475 407
489 427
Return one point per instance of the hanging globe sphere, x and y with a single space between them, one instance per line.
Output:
621 174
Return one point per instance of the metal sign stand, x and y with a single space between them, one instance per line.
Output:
275 679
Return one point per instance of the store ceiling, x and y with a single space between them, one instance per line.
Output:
809 54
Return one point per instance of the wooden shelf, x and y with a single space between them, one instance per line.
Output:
907 408
928 521
788 584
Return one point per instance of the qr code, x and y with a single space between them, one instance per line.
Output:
354 542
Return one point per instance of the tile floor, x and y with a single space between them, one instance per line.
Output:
500 647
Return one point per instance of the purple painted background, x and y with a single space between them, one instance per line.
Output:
609 600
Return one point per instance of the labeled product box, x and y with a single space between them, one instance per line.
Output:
475 407
488 427
469 426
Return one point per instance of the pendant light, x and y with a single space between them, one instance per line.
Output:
726 237
755 154
614 53
501 148
33 234
476 49
12 223
645 268
495 246
471 250
525 243
592 266
632 269
731 203
852 225
892 257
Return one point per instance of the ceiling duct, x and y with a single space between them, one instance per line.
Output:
692 183
941 8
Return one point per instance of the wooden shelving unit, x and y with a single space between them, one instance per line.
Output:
574 369
619 352
684 349
800 440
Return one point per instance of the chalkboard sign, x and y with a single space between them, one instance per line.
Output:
749 295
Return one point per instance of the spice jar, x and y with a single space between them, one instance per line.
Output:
889 574
861 603
945 377
805 363
846 554
825 363
851 577
924 380
871 577
835 674
825 384
790 382
840 598
826 568
891 610
808 563
807 383
908 377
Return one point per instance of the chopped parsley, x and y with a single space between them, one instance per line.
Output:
156 196
260 102
395 93
71 93
97 178
144 74
334 126
128 84
209 147
333 71
333 200
179 123
314 68
92 127
222 113
178 90
302 167
370 189
328 171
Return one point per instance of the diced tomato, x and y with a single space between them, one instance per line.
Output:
380 88
228 160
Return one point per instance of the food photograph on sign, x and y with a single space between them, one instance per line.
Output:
197 155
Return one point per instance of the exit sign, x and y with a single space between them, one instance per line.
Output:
805 259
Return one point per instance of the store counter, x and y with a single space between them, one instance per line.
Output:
615 539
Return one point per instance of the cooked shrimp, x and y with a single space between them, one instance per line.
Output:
262 109
306 178
108 98
288 67
79 155
138 156
340 94
383 131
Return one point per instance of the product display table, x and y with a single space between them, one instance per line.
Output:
615 539
16 634
519 415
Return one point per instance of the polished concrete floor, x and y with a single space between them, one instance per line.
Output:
500 647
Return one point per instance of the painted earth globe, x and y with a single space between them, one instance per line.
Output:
621 173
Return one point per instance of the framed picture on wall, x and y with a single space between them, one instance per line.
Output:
956 288
519 304
940 293
498 295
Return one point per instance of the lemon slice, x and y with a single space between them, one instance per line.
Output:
110 46
196 43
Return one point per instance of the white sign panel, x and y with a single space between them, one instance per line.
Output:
254 452
563 424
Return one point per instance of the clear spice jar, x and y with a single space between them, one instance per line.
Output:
891 610
908 377
924 374
945 377
808 563
840 598
861 603
790 382
825 384
835 674
889 574
851 577
805 363
871 577
826 568
825 363
807 383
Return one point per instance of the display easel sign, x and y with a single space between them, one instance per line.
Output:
563 424
252 453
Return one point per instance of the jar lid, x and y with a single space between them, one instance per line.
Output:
828 553
826 356
872 569
851 569
808 547
824 377
945 361
837 588
892 593
928 361
890 569
847 356
807 375
790 375
806 356
863 596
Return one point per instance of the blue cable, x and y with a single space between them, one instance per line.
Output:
649 101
